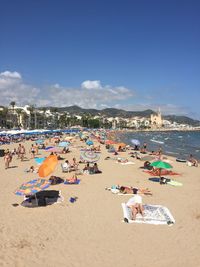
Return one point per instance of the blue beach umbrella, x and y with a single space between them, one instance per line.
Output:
89 143
40 141
63 144
135 142
39 160
48 147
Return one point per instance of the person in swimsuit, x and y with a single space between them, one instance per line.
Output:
135 204
134 190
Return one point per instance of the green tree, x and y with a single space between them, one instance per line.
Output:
93 123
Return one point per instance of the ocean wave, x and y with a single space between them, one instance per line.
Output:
157 141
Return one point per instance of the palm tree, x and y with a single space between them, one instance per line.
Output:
12 104
25 119
31 109
4 117
19 113
44 116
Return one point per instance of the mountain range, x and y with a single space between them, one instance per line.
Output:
113 112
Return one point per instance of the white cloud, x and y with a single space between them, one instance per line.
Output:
91 85
166 109
13 88
56 85
9 74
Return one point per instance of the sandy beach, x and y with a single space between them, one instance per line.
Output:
91 231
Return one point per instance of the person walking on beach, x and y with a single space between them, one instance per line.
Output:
32 151
22 152
7 160
19 151
36 149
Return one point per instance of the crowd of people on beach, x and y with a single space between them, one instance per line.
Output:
136 152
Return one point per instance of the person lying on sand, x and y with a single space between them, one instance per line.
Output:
134 190
72 180
32 169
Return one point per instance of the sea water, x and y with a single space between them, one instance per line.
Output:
175 143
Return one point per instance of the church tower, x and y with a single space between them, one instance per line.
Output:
156 120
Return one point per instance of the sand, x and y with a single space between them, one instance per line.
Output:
91 231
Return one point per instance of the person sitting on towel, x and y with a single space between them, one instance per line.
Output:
87 168
95 169
133 190
135 204
193 161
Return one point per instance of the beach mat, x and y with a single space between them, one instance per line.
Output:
127 163
77 182
171 182
163 172
153 214
174 183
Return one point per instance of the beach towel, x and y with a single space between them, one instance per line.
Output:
163 172
77 182
127 163
32 187
153 214
170 182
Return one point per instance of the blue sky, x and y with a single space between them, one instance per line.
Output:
126 54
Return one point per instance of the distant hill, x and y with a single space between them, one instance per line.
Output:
108 112
113 112
182 120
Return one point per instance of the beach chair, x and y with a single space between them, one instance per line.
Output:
68 169
64 169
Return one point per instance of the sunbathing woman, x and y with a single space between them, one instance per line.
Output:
134 190
72 180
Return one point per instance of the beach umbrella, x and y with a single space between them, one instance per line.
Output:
63 144
159 164
110 142
40 141
121 144
90 156
48 166
39 160
89 143
135 142
32 187
48 147
53 149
